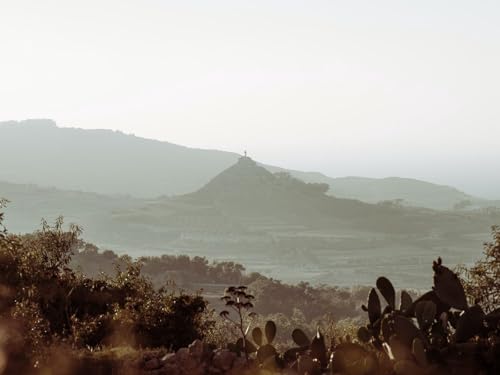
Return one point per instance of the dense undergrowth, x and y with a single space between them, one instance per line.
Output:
50 304
51 310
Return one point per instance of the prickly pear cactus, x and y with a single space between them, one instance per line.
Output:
406 301
387 290
425 312
300 338
448 287
470 323
374 308
265 350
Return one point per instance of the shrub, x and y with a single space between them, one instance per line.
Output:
56 304
481 282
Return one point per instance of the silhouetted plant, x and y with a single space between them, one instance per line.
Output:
240 302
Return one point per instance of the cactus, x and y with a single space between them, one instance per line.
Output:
240 348
399 348
406 330
406 301
306 365
257 336
387 290
448 287
425 312
364 334
387 327
318 349
441 306
300 338
348 357
418 351
266 353
417 338
291 355
469 324
374 309
493 318
270 330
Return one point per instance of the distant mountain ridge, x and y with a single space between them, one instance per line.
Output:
412 192
111 162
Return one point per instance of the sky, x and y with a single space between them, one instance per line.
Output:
365 88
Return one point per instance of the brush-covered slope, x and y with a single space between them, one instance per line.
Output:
247 189
247 192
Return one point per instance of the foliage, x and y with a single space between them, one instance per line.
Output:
194 273
52 303
482 281
45 304
240 302
184 269
437 333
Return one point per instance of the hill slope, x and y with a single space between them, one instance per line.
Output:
412 192
103 161
273 223
110 162
247 192
28 204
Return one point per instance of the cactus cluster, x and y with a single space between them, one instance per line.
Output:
438 333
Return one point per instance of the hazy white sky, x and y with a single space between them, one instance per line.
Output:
372 88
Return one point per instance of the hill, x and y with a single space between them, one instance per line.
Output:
103 161
28 204
111 162
274 223
286 228
412 192
247 192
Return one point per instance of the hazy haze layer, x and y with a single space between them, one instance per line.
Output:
388 88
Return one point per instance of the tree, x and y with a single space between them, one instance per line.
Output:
482 281
3 231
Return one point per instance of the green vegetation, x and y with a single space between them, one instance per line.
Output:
54 305
52 309
482 280
310 303
438 333
269 222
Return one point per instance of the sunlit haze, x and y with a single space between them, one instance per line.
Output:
367 88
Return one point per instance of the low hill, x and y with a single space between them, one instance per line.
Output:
248 193
274 223
286 228
111 162
29 204
410 191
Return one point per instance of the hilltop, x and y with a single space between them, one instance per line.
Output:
272 222
111 162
